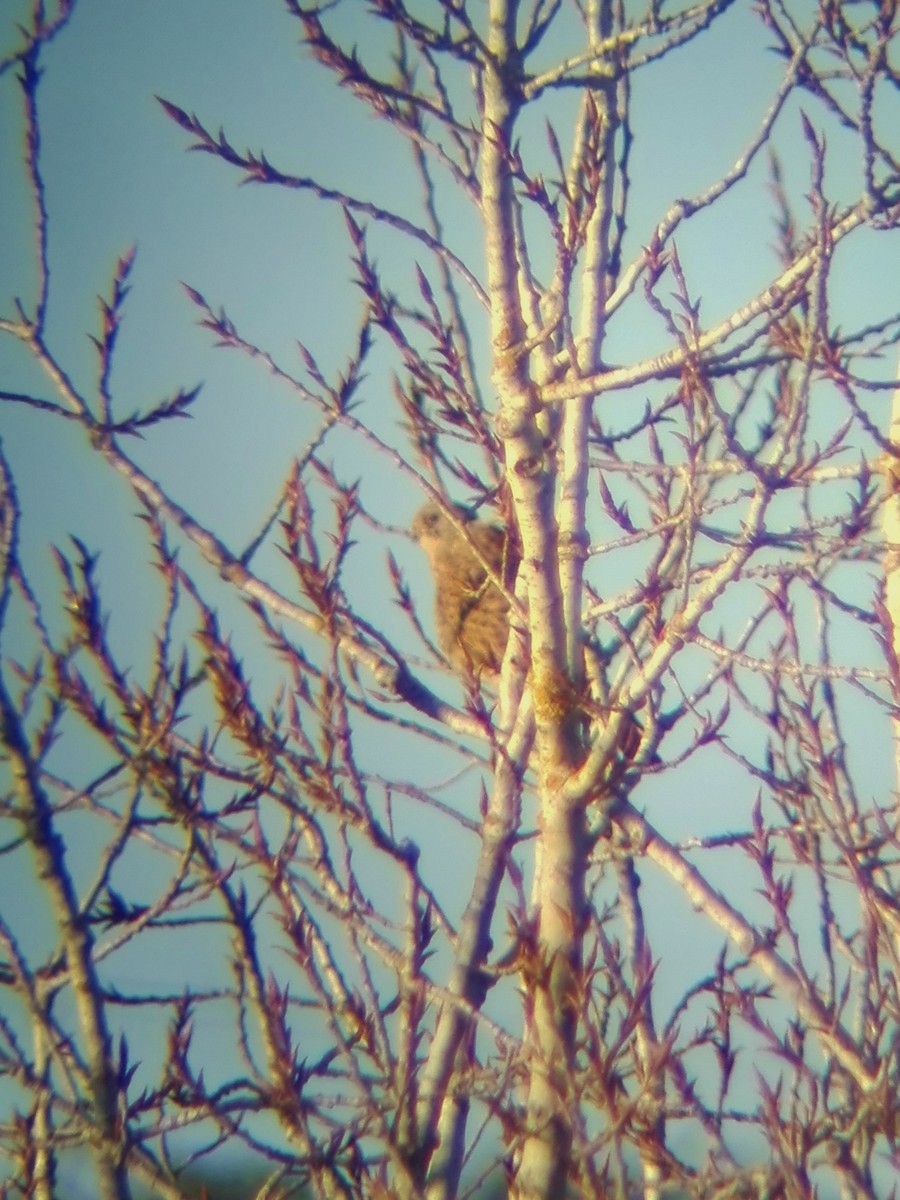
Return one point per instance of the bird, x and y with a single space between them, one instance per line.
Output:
471 611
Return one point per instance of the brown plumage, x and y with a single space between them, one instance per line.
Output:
471 612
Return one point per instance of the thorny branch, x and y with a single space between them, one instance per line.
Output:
704 619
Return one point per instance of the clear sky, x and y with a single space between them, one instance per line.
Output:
117 174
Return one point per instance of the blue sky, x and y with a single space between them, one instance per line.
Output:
116 174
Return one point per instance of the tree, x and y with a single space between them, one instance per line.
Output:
702 512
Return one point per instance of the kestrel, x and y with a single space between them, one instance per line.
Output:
471 612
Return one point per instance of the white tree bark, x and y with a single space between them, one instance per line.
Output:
891 530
